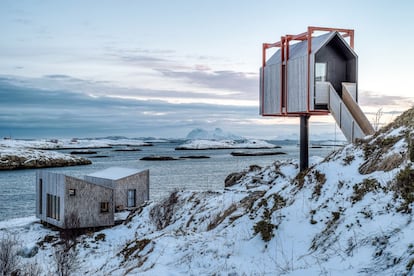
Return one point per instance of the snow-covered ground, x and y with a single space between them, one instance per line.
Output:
225 144
349 214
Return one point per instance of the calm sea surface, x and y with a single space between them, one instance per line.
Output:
17 188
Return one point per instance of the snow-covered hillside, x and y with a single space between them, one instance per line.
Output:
349 214
216 134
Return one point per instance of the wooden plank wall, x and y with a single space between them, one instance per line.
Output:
297 84
139 182
84 209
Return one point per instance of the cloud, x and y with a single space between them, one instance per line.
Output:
66 113
190 71
28 111
227 80
368 98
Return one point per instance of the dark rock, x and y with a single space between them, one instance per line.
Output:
127 149
238 153
83 152
195 157
232 178
158 158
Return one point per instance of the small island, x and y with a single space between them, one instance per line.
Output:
225 144
261 153
83 152
158 158
24 158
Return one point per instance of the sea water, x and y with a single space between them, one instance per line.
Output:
17 188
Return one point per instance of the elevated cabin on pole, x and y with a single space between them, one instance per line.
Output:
317 75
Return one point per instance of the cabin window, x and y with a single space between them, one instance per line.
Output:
40 196
72 192
53 206
320 71
104 207
131 198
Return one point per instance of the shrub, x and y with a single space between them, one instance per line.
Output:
320 180
404 187
361 189
348 159
133 248
279 203
100 237
265 228
162 213
410 265
8 255
300 178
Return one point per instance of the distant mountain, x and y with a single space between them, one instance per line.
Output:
216 134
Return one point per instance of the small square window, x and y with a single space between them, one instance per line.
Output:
72 192
104 207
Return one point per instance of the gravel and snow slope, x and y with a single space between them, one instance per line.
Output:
349 214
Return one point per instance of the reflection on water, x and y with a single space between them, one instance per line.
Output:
17 188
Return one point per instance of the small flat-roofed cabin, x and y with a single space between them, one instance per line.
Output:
68 202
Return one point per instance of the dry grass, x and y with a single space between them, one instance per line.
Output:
221 217
376 163
162 213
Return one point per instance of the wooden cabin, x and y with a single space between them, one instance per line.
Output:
317 75
68 202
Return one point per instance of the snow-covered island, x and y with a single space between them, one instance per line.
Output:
27 154
216 134
72 143
225 144
348 214
26 158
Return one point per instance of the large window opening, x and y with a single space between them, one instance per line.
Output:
53 206
321 71
131 198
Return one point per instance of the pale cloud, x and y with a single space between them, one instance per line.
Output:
367 98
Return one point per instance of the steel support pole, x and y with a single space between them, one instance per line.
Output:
304 142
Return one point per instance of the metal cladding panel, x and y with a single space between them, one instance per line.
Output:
297 84
358 133
270 104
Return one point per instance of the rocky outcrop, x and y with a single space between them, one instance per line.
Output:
262 153
13 159
158 158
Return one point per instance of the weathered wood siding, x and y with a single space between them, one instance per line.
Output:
139 182
271 93
84 208
297 84
53 184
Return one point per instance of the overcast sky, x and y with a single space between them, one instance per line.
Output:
163 68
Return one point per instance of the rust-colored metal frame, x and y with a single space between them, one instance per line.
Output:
283 44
